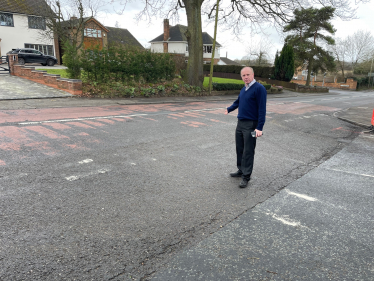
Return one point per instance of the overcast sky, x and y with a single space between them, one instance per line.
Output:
235 47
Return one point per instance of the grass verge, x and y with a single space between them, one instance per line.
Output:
221 80
61 72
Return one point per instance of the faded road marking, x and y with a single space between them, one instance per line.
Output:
73 178
347 172
285 220
81 119
303 196
85 161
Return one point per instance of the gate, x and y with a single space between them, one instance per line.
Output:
4 66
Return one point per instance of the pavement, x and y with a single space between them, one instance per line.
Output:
319 227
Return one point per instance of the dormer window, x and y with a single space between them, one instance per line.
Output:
90 32
6 19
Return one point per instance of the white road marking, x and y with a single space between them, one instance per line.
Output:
133 164
303 196
81 119
208 109
286 221
101 171
85 161
347 172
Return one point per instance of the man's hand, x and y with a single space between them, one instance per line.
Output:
226 112
258 133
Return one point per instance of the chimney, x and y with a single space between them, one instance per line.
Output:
166 34
73 18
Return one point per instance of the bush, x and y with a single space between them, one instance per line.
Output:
266 85
71 60
260 71
117 63
226 86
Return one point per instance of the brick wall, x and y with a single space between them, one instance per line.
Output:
73 86
349 84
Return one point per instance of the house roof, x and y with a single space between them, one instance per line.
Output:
27 7
177 34
123 36
75 21
228 61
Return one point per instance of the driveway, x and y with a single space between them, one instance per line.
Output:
13 87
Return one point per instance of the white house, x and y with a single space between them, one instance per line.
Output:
21 25
174 40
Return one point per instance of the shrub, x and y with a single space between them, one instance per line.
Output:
71 60
125 64
226 86
260 71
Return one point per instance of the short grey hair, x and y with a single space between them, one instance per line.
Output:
246 67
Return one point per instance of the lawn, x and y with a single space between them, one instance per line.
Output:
61 72
221 80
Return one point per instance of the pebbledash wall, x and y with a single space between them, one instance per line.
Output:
349 84
72 86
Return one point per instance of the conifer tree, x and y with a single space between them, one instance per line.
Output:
284 66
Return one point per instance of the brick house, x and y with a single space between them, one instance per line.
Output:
174 40
22 26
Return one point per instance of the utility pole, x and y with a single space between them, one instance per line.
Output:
214 49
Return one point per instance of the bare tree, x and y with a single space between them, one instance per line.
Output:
360 46
260 53
235 14
340 51
65 19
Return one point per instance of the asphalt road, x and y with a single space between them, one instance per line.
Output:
114 192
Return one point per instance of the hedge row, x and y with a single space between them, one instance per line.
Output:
260 71
121 64
226 86
232 86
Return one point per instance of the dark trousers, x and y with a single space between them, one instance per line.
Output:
245 146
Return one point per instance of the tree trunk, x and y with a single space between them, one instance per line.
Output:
195 75
309 71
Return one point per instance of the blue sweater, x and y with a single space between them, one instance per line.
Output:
252 104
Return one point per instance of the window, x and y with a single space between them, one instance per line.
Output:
45 49
6 19
90 32
207 49
36 22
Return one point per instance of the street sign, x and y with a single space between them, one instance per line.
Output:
371 74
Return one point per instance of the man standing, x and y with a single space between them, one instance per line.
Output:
251 119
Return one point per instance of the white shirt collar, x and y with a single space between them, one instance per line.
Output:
250 84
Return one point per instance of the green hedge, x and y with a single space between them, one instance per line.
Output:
226 86
124 64
260 71
232 86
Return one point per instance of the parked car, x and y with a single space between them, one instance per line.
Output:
28 55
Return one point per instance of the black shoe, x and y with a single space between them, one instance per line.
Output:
243 183
237 174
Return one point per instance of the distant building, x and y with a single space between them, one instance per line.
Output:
226 61
21 26
174 40
121 36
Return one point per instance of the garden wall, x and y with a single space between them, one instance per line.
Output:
72 86
333 83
